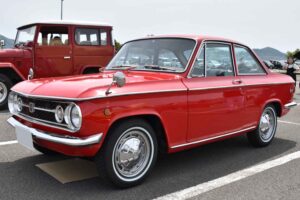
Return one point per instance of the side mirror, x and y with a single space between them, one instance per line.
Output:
2 43
119 79
29 44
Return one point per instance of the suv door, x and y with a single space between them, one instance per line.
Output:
92 48
53 53
215 98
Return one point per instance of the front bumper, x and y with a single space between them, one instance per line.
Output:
59 139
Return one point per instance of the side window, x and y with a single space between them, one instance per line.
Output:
218 60
246 62
87 36
198 67
53 36
103 37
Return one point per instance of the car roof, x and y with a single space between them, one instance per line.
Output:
193 37
66 22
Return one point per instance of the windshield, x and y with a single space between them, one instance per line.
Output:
164 54
25 35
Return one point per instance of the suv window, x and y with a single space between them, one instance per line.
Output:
90 37
218 60
246 62
53 36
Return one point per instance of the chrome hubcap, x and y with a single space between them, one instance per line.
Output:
3 92
132 153
267 125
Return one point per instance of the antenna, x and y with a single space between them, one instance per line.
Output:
61 9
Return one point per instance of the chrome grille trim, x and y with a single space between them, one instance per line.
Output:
39 108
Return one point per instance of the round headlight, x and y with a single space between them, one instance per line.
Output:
59 114
11 103
19 104
76 117
73 117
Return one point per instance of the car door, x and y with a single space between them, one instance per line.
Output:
215 98
53 52
257 85
92 47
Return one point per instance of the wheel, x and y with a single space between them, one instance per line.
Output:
45 151
5 85
266 129
129 153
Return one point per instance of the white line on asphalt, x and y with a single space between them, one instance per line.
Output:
286 122
8 142
236 176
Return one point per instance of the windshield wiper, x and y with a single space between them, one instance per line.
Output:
124 67
157 67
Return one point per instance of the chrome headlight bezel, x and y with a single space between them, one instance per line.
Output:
70 117
15 103
59 114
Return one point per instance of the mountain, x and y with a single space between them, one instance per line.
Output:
9 43
269 53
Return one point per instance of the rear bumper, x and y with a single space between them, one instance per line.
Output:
290 105
58 139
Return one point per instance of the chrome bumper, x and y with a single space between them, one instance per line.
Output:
290 105
66 140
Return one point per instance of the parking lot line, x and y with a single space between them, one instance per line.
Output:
225 180
8 142
287 122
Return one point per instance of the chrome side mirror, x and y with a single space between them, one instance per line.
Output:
2 43
30 74
119 79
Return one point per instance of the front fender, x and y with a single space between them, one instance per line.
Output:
12 67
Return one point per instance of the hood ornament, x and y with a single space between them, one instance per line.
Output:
119 79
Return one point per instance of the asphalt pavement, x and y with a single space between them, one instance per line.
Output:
21 179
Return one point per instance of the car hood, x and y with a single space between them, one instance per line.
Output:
94 86
11 53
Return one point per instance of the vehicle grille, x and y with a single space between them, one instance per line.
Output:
41 111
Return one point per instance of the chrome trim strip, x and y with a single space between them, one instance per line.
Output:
212 138
233 86
98 97
291 105
41 109
66 140
44 122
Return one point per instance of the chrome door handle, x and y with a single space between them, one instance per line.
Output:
67 57
237 81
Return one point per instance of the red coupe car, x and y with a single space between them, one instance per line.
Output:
158 94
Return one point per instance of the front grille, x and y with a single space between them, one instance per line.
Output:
42 111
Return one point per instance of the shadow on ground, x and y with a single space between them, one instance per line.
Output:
22 180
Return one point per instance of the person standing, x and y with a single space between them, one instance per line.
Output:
291 68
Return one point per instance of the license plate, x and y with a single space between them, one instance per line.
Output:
24 137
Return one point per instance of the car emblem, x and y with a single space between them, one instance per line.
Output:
31 107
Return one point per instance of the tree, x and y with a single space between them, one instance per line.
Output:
292 53
117 45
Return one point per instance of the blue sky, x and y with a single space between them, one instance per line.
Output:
258 23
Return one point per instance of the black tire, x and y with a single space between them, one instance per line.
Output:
260 138
4 82
109 162
45 151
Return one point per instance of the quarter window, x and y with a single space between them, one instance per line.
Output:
198 67
246 62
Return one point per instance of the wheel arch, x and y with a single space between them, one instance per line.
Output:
277 104
87 68
154 121
11 72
